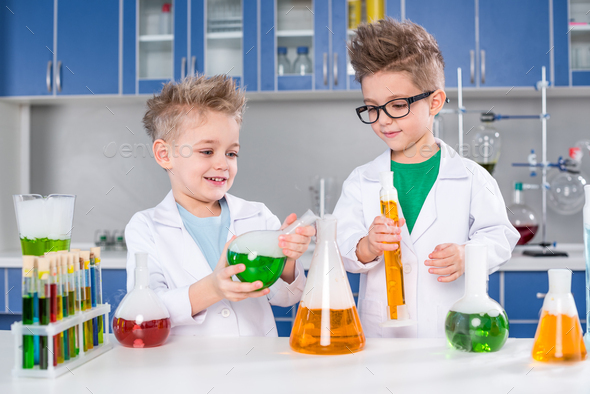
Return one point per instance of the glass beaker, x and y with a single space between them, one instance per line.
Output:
476 323
44 223
141 320
259 251
327 321
394 270
522 216
486 145
587 254
559 333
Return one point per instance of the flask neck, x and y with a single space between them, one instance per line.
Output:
518 197
326 231
476 274
142 278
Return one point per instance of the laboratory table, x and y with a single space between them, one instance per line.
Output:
268 365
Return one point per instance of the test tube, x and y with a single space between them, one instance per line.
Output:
78 291
66 299
98 286
44 295
29 289
71 303
93 298
56 312
88 334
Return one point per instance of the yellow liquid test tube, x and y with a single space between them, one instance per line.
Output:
394 270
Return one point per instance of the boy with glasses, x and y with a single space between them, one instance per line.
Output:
446 201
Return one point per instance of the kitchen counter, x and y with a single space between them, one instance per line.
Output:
268 365
518 262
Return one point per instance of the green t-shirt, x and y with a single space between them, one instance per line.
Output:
413 183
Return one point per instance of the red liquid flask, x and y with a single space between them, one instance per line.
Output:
141 320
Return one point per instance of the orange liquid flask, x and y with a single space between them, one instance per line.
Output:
327 321
394 270
559 334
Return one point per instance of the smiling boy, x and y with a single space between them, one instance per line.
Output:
446 201
195 126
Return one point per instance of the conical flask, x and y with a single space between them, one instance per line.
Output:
44 223
327 321
259 251
141 320
476 323
394 272
587 253
559 333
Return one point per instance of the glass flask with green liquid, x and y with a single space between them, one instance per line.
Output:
259 251
476 323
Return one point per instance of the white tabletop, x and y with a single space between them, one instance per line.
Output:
268 365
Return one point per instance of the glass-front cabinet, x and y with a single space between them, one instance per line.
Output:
223 53
579 35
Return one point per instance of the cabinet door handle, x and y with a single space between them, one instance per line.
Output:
335 69
58 76
183 68
541 295
325 69
48 76
472 66
483 66
193 63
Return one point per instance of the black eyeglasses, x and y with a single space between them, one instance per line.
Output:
395 109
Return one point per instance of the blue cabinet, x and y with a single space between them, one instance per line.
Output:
452 23
514 42
114 288
26 65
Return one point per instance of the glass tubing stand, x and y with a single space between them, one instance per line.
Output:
542 85
19 329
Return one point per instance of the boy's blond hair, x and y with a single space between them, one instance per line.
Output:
389 45
195 95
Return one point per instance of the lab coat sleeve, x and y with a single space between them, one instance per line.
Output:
283 293
351 224
488 220
139 238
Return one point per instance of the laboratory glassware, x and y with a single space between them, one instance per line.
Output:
327 321
259 251
302 64
559 333
486 145
522 217
476 323
141 320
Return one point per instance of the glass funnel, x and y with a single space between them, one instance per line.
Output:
44 223
559 333
259 251
476 323
522 216
141 320
327 321
394 272
486 145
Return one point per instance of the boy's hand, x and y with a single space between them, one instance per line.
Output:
226 288
450 260
294 245
382 235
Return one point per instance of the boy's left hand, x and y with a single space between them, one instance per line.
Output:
450 260
294 245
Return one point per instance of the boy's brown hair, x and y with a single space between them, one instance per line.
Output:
195 95
389 45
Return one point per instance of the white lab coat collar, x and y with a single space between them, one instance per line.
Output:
167 213
451 164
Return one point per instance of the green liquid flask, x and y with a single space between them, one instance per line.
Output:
259 251
476 323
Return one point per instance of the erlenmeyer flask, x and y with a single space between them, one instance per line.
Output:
394 273
327 321
259 251
141 320
476 323
559 333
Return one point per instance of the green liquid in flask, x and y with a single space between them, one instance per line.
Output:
263 268
39 246
476 332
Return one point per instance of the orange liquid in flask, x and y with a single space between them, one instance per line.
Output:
394 274
559 338
340 334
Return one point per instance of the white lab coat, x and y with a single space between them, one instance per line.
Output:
176 262
464 205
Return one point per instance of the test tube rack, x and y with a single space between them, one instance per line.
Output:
18 330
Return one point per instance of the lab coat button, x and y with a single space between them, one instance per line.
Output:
225 312
407 268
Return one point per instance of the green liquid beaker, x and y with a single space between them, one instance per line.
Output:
262 268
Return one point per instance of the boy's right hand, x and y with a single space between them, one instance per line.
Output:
382 236
226 288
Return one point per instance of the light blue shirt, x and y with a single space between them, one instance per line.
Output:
210 233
